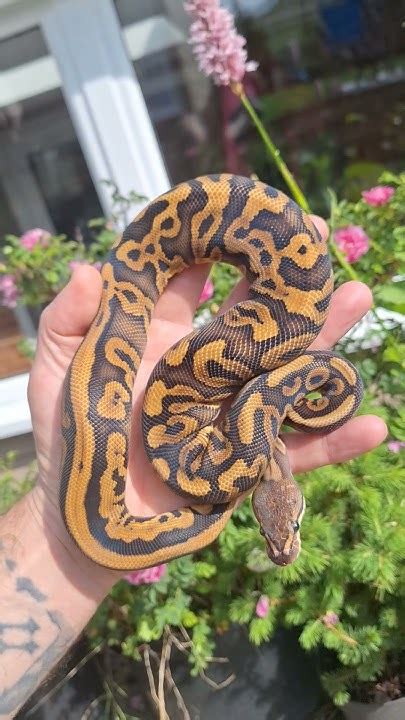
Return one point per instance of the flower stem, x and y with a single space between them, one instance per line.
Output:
289 179
342 261
273 151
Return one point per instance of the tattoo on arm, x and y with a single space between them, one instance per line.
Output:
33 637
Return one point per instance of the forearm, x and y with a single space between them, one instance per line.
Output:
46 598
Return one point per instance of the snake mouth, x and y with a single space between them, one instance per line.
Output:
285 555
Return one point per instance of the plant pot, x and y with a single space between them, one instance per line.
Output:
390 710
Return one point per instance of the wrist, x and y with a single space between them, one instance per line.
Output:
78 571
47 592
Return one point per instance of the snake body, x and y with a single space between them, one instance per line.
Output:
254 354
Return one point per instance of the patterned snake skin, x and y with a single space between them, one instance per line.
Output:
254 354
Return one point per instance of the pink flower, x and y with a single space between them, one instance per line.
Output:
220 50
32 237
262 606
146 577
352 241
379 195
207 292
395 446
330 618
9 290
73 264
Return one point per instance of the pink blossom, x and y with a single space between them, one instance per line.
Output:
32 237
379 195
352 241
330 619
147 576
207 292
9 291
395 446
220 50
262 606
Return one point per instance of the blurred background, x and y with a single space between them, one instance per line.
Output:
99 90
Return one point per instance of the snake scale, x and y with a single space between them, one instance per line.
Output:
254 355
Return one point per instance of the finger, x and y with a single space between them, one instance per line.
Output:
180 299
320 225
66 320
350 302
72 311
358 436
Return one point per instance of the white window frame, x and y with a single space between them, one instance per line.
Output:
105 103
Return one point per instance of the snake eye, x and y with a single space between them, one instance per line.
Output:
295 526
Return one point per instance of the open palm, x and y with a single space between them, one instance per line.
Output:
66 320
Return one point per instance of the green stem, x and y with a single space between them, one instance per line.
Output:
289 179
273 151
342 261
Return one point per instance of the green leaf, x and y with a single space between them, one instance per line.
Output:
258 561
311 634
189 619
391 294
260 629
241 609
341 698
395 353
204 569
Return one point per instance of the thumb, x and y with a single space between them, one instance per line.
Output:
67 318
71 312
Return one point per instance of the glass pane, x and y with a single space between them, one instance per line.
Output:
129 11
182 103
44 180
329 87
43 175
187 135
21 49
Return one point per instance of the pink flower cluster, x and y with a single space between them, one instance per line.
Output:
207 292
330 619
147 576
378 195
262 606
395 446
32 237
352 241
9 291
220 50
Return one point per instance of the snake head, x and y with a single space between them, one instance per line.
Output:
279 508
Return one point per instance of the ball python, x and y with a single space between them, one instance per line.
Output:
254 355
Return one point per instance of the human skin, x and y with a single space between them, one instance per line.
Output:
49 589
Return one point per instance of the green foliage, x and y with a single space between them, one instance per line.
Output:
13 487
41 271
383 265
345 592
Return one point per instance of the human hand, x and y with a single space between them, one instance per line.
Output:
63 325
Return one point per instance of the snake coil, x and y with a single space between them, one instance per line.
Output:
255 353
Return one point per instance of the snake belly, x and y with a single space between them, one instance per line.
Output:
255 353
